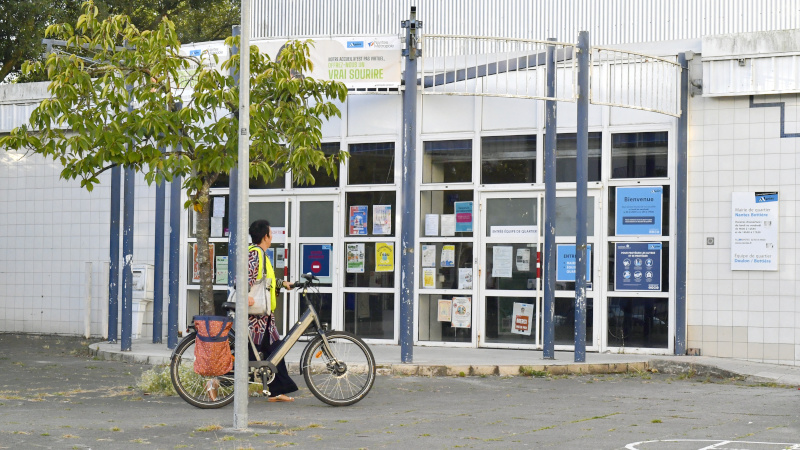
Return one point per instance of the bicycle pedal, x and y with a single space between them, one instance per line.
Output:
265 392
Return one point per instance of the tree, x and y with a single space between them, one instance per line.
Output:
109 63
22 26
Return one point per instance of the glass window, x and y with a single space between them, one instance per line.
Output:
567 151
369 277
564 321
223 231
639 155
316 219
369 315
371 163
274 212
500 320
446 273
444 202
431 329
638 322
322 303
508 159
447 161
510 212
223 181
371 203
520 279
612 211
566 222
321 177
215 249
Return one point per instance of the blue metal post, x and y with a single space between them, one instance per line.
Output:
174 260
549 206
681 200
127 257
113 266
582 173
407 277
233 192
158 266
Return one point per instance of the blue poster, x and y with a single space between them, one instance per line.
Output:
317 259
639 210
638 266
565 262
463 212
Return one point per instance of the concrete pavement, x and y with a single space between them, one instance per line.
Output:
450 361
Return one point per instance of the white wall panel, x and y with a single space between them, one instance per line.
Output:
447 114
373 114
509 114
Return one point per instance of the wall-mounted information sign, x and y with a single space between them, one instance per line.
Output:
639 210
565 262
637 266
754 231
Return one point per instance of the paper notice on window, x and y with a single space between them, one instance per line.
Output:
524 259
521 318
355 258
429 256
216 227
428 278
465 278
219 207
221 269
382 219
448 224
445 310
431 224
502 257
462 312
448 256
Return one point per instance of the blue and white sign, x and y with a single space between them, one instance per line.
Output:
638 266
639 210
565 262
754 231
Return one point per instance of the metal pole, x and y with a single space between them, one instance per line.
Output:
113 267
581 169
233 190
174 259
681 219
158 266
549 206
127 257
407 277
242 214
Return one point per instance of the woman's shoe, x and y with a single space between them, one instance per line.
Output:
281 398
211 388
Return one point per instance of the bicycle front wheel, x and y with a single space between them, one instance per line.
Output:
197 390
343 377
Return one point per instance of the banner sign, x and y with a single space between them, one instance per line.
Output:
639 210
565 262
317 259
204 52
358 62
754 231
637 266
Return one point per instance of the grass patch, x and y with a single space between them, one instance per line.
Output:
656 421
207 428
529 371
156 381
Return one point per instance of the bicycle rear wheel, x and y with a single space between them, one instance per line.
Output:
193 387
343 378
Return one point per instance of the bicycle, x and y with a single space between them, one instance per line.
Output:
337 366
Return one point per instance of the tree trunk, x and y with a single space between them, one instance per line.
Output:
204 259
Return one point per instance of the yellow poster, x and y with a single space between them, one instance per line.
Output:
384 257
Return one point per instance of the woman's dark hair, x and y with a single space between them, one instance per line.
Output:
258 230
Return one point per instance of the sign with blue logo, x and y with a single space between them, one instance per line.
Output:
317 259
754 230
565 262
639 210
637 266
355 44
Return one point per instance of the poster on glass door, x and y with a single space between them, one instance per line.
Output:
638 210
522 318
638 266
462 312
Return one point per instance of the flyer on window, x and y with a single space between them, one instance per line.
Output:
448 256
428 277
431 224
522 318
462 312
463 216
465 278
445 310
384 257
429 255
219 207
524 259
355 258
382 219
358 220
448 224
221 267
502 261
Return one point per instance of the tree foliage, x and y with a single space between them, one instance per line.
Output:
181 122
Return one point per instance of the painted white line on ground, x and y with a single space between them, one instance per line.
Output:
716 444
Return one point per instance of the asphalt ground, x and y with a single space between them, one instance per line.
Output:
54 395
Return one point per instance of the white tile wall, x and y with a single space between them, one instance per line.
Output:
761 308
49 229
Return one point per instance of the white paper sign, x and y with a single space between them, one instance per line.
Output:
465 278
448 256
219 207
462 312
216 227
524 259
431 224
522 319
429 256
525 232
502 261
278 235
754 231
448 224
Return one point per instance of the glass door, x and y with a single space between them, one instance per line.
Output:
278 211
509 300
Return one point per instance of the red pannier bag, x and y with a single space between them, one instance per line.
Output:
212 352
